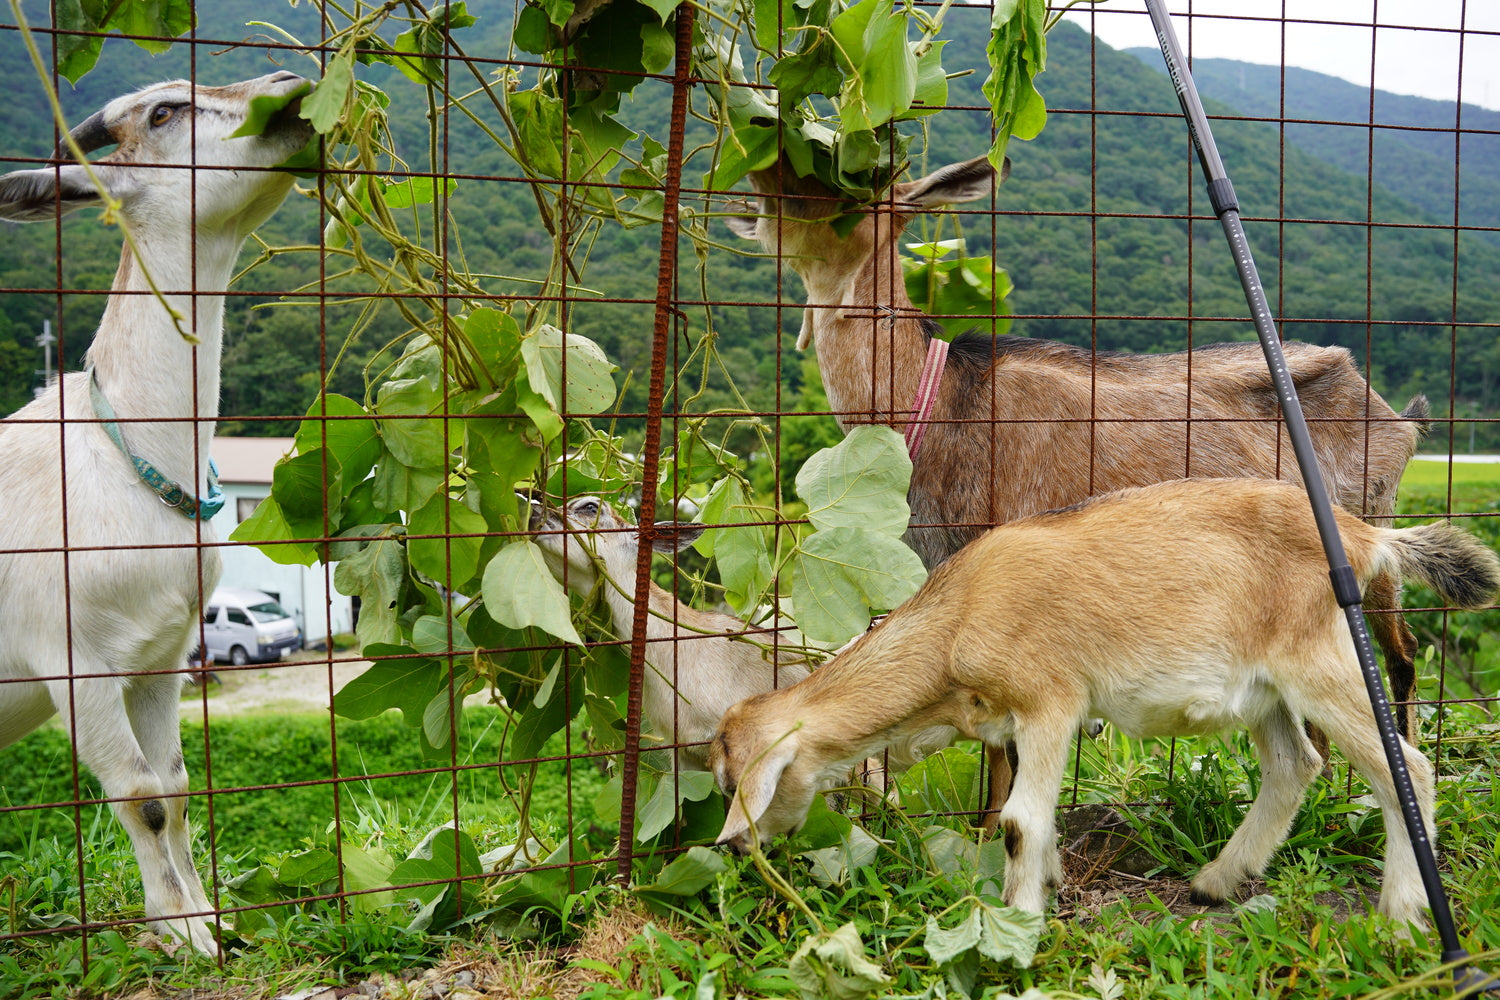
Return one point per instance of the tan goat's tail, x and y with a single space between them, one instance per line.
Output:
1464 572
1419 412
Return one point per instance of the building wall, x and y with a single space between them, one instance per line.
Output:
307 592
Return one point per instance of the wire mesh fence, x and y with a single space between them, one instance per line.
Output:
511 280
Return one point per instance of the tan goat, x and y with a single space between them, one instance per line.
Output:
698 663
1177 609
1022 426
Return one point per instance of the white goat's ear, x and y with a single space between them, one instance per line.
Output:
35 195
957 182
757 788
674 536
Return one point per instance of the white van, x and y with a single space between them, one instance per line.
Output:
245 626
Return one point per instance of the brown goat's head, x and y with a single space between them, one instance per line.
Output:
792 217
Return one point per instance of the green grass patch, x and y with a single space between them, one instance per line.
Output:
1476 485
381 781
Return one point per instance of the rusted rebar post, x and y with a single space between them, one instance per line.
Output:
666 286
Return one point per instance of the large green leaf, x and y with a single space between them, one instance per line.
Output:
495 339
263 108
422 47
598 138
437 717
1017 55
376 575
437 634
551 886
344 427
539 125
305 486
152 23
958 288
392 681
398 487
308 869
880 67
814 70
364 870
741 553
409 425
269 530
324 107
446 854
571 373
690 874
859 482
659 811
843 574
1004 934
450 555
833 966
538 721
519 590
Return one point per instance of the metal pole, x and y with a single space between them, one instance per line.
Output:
1467 982
666 284
46 340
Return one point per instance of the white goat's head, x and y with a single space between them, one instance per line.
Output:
588 532
174 161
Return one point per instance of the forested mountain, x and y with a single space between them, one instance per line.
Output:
1092 226
1413 149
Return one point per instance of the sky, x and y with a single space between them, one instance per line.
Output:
1416 43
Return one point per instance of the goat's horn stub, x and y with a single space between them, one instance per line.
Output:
90 134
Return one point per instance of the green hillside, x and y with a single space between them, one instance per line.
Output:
1413 151
1092 226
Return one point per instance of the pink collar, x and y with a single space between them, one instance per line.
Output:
927 391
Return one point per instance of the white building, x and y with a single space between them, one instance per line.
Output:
307 592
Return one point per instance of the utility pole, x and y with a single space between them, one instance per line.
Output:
45 342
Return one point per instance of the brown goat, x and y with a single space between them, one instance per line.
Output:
1022 426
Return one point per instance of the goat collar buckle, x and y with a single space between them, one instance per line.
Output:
169 492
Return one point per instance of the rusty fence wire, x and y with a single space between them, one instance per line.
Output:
411 304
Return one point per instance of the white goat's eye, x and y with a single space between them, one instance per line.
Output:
588 508
162 113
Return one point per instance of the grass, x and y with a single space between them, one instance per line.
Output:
898 917
1303 932
1476 485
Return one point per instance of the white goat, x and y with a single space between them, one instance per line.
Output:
1022 426
1182 608
698 663
100 583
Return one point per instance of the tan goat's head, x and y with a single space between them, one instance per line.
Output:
754 759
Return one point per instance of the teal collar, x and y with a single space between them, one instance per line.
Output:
171 493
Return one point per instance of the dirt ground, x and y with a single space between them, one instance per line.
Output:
302 683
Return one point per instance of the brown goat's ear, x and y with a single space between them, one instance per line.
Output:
674 536
957 182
